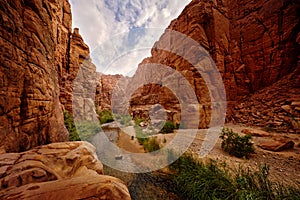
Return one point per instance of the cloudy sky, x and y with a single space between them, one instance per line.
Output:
120 33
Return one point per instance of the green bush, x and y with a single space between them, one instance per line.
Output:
140 135
125 120
239 146
82 131
168 127
138 121
151 145
70 125
87 129
105 116
196 180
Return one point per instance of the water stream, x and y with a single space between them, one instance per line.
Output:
146 186
142 186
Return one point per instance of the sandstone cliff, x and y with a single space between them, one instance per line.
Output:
34 44
253 43
78 51
41 63
78 77
40 58
276 108
105 87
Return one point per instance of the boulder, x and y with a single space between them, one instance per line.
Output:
68 170
276 145
87 187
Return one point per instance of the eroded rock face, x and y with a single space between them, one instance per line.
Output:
78 61
276 108
58 171
34 45
105 87
253 43
40 60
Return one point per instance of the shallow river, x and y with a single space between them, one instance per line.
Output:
146 186
142 186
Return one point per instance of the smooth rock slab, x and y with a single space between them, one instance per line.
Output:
83 187
68 170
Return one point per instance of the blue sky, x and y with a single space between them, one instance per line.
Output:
120 33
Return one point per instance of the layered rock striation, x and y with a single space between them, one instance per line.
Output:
34 44
78 81
79 70
105 88
40 60
42 64
254 44
68 170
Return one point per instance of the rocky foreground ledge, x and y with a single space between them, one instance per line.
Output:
69 170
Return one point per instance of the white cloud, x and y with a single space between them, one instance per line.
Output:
166 13
109 27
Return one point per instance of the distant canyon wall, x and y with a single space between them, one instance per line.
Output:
78 80
255 46
105 87
253 43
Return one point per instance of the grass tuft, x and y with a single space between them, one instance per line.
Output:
195 179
